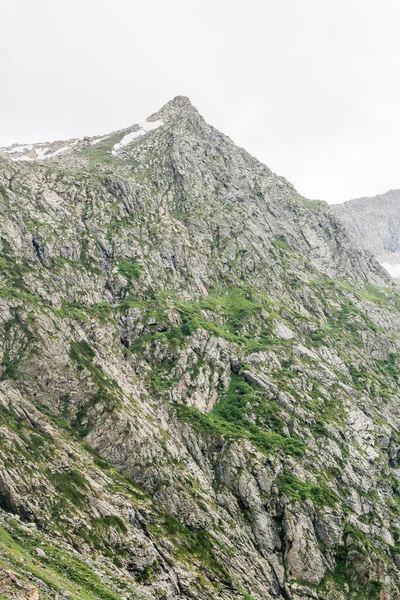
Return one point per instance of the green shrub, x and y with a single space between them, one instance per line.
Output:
108 394
228 418
129 269
110 521
71 485
196 543
319 493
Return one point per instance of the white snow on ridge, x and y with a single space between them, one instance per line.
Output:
14 149
38 153
32 152
41 153
393 270
144 128
98 140
59 151
24 157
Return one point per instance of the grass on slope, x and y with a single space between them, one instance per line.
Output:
59 569
228 418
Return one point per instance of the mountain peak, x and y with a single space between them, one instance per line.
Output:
175 108
199 386
180 101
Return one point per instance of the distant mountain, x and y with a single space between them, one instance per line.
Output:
199 378
375 223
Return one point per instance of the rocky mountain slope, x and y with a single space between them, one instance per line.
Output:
199 384
375 223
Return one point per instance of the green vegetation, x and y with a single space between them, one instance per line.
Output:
100 153
235 315
71 485
237 309
349 319
280 244
12 269
196 543
13 286
372 293
12 275
359 585
345 320
236 306
96 533
129 269
319 493
229 418
33 445
179 214
111 521
325 410
108 394
58 569
83 312
3 191
379 378
243 411
19 343
389 367
148 573
160 378
59 261
283 250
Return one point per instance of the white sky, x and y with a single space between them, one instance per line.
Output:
310 87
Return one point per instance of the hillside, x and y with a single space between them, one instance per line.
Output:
199 384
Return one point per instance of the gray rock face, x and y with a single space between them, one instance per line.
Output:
199 377
375 224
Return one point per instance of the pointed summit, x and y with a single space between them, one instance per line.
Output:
180 106
180 102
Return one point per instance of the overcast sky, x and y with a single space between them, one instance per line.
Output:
310 87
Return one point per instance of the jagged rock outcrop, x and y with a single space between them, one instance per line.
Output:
199 384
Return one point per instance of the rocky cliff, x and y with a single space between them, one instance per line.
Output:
199 384
375 224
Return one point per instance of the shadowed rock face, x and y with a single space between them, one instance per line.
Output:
375 224
199 377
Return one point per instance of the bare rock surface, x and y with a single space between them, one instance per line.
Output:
199 378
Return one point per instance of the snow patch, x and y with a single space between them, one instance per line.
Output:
127 139
18 158
40 152
15 149
393 270
98 140
57 152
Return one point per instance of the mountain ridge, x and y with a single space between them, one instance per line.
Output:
375 223
199 381
52 149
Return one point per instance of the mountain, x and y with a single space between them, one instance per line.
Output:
375 223
199 383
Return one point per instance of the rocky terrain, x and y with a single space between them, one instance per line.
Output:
199 383
375 224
